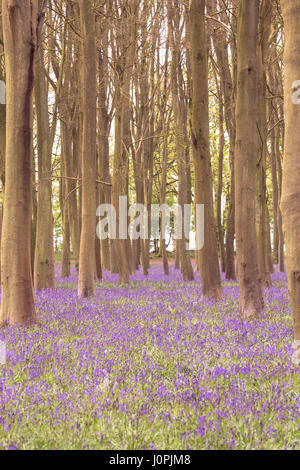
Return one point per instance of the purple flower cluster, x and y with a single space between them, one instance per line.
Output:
150 365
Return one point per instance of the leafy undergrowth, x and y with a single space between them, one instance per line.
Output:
150 366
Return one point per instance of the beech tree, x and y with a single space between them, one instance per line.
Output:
2 115
290 199
179 104
21 26
246 149
209 264
44 273
86 279
123 65
263 229
222 40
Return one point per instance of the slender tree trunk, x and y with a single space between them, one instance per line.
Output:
120 171
290 199
209 263
77 168
65 257
230 229
86 279
1 215
269 244
98 263
98 259
220 42
280 243
163 201
137 167
20 20
279 215
220 188
70 198
251 297
275 199
124 65
44 272
138 245
145 148
104 126
113 256
180 118
69 147
228 80
177 255
2 128
265 13
34 217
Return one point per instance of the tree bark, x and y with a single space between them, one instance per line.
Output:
163 201
2 128
65 256
124 66
209 263
251 297
180 124
86 279
265 13
227 82
20 21
104 126
220 187
290 199
44 271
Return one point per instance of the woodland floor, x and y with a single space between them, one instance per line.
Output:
150 366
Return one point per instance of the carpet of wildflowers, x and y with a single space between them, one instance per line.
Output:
150 366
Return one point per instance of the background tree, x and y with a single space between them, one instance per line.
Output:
44 273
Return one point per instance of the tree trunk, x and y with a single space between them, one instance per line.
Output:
163 201
124 66
103 140
20 19
290 199
44 270
120 171
209 263
279 215
251 297
34 217
177 255
70 198
275 199
2 128
265 13
86 279
65 256
180 123
220 188
228 81
98 264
